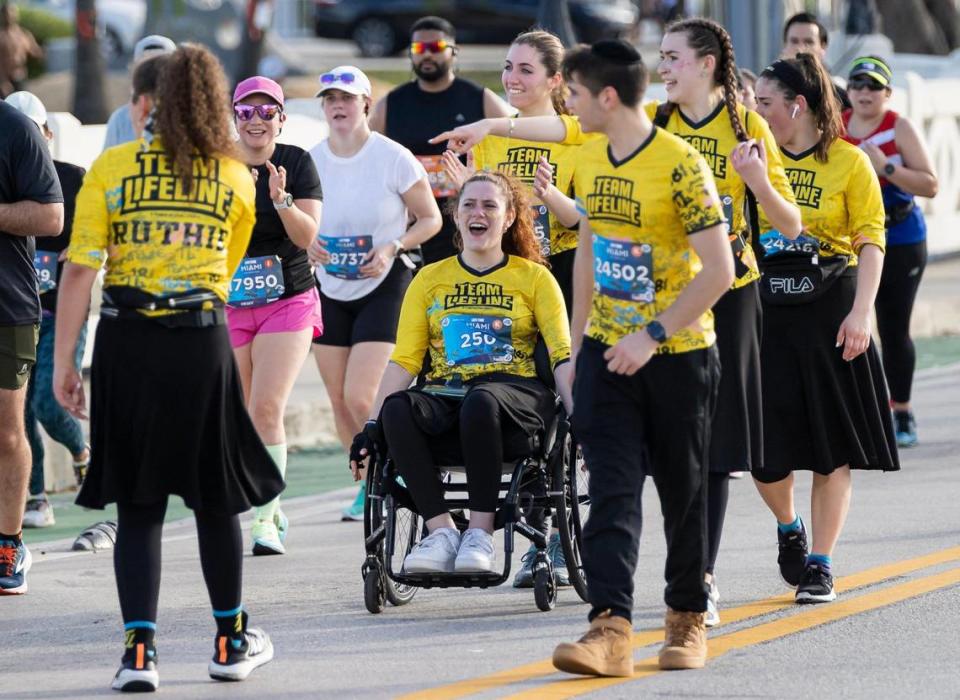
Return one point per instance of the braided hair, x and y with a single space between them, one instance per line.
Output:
707 38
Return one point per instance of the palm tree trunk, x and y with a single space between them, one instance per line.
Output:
554 16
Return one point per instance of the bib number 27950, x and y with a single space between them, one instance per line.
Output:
258 281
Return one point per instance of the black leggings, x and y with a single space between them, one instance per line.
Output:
136 559
718 492
902 270
481 440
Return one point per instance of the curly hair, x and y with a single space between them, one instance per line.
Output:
550 50
192 113
519 238
821 96
707 38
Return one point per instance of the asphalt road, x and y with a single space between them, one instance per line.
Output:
892 632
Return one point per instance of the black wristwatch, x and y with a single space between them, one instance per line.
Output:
656 331
889 169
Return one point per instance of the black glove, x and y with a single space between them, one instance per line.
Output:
365 442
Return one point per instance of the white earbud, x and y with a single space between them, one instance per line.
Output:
793 113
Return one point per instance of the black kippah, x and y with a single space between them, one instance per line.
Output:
616 51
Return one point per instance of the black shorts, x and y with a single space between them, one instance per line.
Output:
561 265
369 319
18 354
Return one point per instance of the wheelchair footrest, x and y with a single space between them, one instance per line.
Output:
451 580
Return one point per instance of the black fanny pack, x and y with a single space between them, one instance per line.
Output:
798 278
898 214
196 308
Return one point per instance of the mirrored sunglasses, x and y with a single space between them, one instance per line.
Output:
421 47
865 84
266 112
343 78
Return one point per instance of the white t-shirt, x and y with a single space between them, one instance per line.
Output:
362 208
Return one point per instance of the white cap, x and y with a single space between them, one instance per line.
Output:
28 104
347 78
155 44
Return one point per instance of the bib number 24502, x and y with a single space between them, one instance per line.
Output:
623 269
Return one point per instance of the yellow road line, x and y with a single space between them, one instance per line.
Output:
810 617
536 669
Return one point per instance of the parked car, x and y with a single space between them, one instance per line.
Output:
382 27
120 21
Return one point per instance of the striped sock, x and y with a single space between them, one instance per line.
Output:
139 636
821 560
230 623
797 524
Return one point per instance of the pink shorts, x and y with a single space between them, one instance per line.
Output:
285 316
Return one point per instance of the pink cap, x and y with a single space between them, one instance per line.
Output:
258 85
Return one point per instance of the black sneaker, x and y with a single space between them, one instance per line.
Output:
793 555
138 670
236 657
816 586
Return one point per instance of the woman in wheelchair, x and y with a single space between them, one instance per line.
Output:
479 316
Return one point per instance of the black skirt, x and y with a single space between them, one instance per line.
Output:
736 433
167 417
821 412
526 408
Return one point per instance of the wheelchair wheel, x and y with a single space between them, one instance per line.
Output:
571 510
544 585
407 528
374 595
407 532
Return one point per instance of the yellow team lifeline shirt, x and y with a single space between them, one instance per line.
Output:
840 200
641 211
520 158
133 215
714 139
477 323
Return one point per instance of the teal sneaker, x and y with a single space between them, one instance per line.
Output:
266 538
354 512
906 428
555 550
280 520
524 577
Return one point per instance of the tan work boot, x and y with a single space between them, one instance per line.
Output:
606 650
685 641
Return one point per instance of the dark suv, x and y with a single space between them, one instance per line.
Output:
382 27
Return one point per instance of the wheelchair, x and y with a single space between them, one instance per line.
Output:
545 472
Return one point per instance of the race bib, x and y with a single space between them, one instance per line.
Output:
477 340
541 228
258 281
623 269
347 254
775 243
440 183
46 266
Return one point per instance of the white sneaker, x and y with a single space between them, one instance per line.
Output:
476 552
435 553
38 513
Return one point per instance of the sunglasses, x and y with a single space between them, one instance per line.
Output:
266 112
871 85
343 78
422 47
